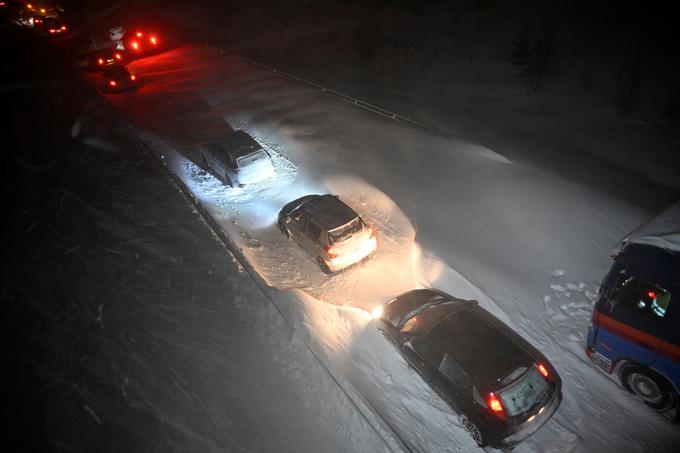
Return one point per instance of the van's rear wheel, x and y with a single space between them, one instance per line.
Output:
649 387
322 264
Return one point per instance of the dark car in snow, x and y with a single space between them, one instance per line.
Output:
141 43
53 26
102 60
118 79
329 230
503 388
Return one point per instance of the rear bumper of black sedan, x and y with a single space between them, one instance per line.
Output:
516 433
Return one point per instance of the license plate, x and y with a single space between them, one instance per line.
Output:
601 361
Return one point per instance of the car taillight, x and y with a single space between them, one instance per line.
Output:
495 403
52 30
112 83
153 40
330 251
101 61
135 45
118 56
139 34
542 369
132 77
371 231
63 27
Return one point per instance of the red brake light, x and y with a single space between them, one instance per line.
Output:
63 27
118 56
112 83
330 251
52 30
132 77
139 34
651 294
135 45
100 61
372 231
153 40
542 369
495 403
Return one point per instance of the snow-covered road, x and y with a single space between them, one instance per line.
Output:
530 245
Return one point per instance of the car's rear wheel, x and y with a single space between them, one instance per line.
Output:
648 386
322 264
474 431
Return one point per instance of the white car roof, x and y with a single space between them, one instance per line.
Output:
661 231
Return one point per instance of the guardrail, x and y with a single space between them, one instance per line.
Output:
358 102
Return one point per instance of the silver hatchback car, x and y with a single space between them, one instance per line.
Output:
237 160
329 230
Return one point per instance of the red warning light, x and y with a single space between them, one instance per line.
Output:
651 294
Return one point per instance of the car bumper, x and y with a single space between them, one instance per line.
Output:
348 259
519 432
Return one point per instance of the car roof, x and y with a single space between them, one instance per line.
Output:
237 144
484 347
328 211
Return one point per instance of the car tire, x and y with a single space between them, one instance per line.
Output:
283 229
206 165
324 267
648 386
474 431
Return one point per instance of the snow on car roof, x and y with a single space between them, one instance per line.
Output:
661 231
237 144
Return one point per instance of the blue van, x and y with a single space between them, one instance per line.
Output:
635 327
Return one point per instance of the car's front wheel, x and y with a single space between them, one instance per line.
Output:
648 386
322 264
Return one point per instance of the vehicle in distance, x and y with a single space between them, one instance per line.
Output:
237 160
105 59
329 230
503 388
141 43
634 331
54 26
118 79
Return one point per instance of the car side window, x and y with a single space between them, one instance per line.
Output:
453 372
313 231
428 351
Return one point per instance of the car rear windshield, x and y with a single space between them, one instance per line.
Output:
525 394
346 231
244 161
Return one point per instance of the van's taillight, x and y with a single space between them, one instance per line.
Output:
101 61
118 56
371 230
112 83
542 369
495 403
330 251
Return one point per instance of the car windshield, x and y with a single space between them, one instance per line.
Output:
525 394
346 231
245 161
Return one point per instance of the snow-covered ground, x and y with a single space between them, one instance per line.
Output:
527 242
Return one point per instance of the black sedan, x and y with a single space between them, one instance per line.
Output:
118 79
503 388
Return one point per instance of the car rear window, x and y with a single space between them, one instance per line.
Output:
346 231
244 161
525 394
